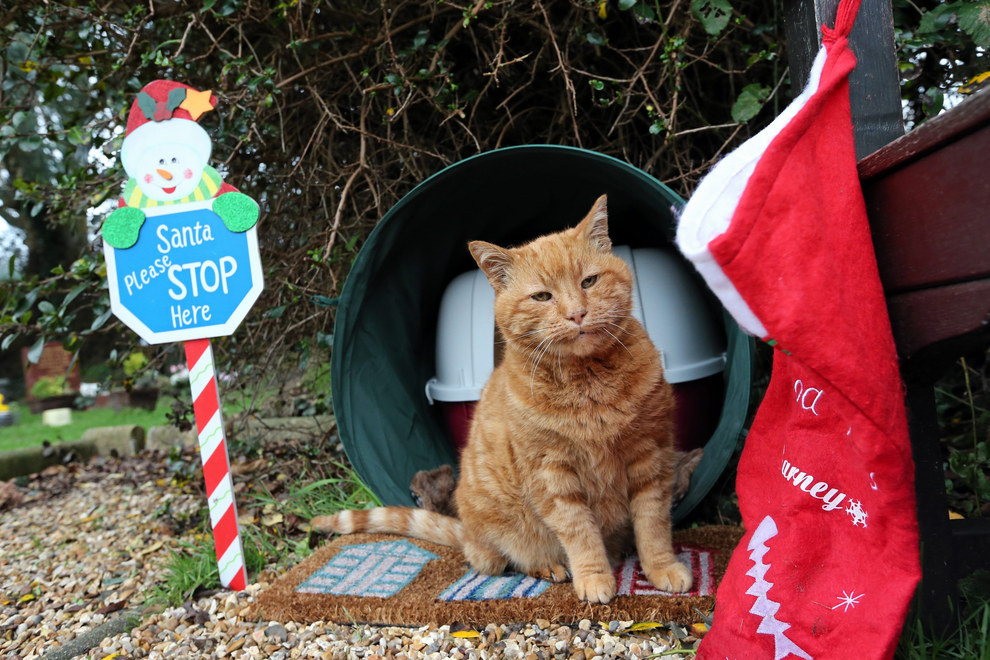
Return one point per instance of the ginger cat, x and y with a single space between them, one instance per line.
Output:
570 451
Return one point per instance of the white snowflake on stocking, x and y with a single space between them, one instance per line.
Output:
857 512
848 600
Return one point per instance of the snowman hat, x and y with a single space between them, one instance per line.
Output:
166 112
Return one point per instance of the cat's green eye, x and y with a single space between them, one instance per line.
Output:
542 296
589 281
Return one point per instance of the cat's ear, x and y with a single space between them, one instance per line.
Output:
595 226
493 260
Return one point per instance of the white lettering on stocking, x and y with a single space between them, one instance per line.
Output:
820 490
807 397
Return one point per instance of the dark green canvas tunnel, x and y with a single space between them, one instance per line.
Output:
384 339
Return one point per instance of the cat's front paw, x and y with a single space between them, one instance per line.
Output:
555 573
595 588
674 577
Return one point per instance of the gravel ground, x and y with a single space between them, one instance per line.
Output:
83 546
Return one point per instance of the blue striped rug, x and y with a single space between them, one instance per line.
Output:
476 586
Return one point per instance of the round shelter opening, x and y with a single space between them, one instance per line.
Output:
384 348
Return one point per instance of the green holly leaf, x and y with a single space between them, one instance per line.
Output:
175 98
146 104
713 14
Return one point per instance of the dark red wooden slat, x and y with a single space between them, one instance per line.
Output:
930 215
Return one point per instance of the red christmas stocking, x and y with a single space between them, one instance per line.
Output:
778 229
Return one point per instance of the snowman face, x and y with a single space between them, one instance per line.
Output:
168 172
166 158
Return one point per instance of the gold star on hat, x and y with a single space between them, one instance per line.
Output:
196 103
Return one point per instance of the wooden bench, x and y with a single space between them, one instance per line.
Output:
928 199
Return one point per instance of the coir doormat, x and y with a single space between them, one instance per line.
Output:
394 580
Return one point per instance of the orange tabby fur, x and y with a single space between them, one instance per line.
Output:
570 452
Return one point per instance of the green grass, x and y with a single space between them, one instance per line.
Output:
323 496
194 567
30 432
268 542
969 640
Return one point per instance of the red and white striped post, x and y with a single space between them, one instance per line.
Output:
214 277
216 464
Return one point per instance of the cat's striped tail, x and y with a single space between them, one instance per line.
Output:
418 523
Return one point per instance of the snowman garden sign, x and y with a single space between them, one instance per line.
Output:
182 265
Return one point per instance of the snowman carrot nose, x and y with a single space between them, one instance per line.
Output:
165 174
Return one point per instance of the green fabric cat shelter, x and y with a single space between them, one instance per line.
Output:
384 338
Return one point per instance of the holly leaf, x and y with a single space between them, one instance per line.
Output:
175 98
750 101
146 104
713 14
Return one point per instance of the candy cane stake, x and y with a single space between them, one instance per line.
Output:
216 464
214 267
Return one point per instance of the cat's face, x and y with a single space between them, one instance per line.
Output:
562 294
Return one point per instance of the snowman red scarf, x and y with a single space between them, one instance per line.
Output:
778 229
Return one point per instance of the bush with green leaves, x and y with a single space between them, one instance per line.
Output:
48 386
330 112
942 52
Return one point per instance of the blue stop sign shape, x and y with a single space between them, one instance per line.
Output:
186 277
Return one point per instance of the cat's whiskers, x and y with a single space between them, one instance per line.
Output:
617 314
625 330
535 349
613 315
536 364
605 330
522 336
